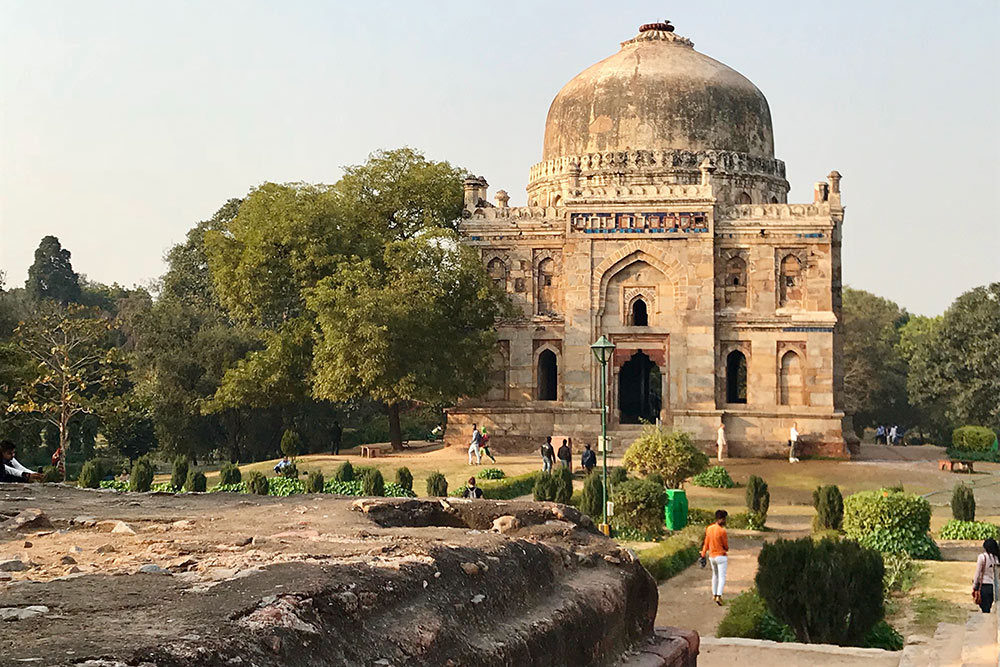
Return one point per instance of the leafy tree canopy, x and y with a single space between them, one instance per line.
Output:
51 276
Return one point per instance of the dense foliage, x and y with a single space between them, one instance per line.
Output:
715 477
180 471
91 475
437 485
314 482
344 472
747 616
257 483
195 481
671 454
404 478
639 505
758 501
291 443
827 592
592 496
491 473
890 521
963 503
141 478
230 473
372 483
669 557
968 530
829 504
973 438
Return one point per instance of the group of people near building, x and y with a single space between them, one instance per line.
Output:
588 458
889 435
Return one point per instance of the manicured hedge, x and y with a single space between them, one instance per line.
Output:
967 455
747 616
973 439
669 557
968 530
891 521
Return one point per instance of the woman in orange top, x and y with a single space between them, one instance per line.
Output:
716 547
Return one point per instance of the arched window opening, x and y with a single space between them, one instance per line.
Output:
548 376
546 287
639 317
497 271
774 200
743 198
790 379
790 281
736 283
640 390
736 377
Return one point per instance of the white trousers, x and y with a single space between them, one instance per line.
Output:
719 565
474 451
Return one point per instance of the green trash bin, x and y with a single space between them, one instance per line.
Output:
675 514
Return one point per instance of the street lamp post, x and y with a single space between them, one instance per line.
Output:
603 348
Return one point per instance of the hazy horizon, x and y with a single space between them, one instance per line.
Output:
124 124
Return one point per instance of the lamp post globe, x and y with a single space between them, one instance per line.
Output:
603 349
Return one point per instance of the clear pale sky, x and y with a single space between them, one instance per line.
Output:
122 124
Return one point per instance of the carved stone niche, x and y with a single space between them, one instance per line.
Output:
634 315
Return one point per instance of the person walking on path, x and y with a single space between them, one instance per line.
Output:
716 548
793 438
588 459
484 446
477 439
984 584
565 454
547 454
336 436
721 442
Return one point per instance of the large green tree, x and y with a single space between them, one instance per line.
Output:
955 360
874 369
51 276
419 329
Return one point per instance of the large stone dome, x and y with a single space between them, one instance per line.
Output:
658 93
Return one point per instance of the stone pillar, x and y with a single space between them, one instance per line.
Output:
502 198
821 192
471 187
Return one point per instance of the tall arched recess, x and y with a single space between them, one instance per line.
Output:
548 376
736 377
790 379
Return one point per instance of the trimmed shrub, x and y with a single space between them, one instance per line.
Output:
617 475
592 497
827 592
758 501
546 486
656 478
883 636
669 557
437 485
142 475
508 487
563 481
180 472
829 504
672 454
361 471
195 481
747 616
345 472
290 471
963 503
968 530
404 478
491 473
715 477
314 482
258 483
91 475
372 483
973 439
230 474
890 521
639 505
291 444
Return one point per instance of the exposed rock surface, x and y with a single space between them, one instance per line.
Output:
211 580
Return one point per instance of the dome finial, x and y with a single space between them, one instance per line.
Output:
663 25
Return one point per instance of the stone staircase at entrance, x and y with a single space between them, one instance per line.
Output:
974 644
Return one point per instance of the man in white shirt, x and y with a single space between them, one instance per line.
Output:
721 441
793 438
477 440
11 470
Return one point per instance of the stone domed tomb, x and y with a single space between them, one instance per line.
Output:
658 217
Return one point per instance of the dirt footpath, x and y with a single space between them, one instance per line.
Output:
217 579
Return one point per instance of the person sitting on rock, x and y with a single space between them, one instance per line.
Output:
471 490
11 470
588 459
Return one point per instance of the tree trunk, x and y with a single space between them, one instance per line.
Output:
395 432
64 438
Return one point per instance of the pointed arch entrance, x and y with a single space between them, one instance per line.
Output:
640 390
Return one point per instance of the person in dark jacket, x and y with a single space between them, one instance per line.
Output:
548 455
336 437
10 469
588 459
471 490
565 454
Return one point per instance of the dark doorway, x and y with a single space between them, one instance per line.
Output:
548 374
640 390
640 316
736 377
